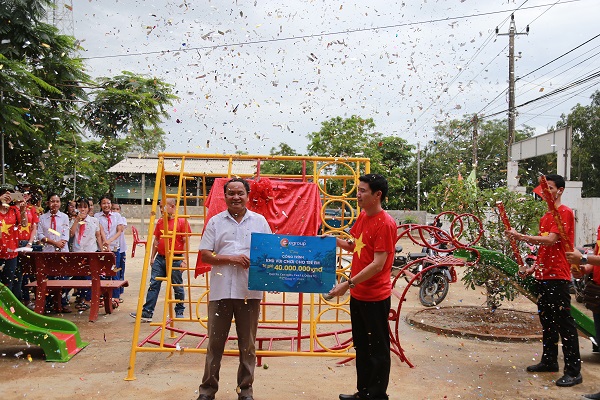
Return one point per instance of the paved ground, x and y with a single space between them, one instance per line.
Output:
445 367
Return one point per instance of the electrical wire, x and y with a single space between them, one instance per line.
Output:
559 57
317 35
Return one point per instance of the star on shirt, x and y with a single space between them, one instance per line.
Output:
26 228
358 245
5 228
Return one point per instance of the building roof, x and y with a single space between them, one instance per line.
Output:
149 165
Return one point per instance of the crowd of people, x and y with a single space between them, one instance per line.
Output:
29 224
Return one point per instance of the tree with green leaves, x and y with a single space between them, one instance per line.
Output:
339 137
449 154
463 197
585 121
277 167
45 102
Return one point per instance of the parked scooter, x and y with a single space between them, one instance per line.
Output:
434 283
579 283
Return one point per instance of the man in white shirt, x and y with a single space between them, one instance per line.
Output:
225 245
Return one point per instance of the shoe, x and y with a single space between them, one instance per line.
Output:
179 315
205 397
594 396
145 317
83 306
349 396
568 380
542 367
245 398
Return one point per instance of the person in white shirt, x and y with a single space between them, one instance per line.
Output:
112 225
53 234
53 228
225 245
87 237
116 208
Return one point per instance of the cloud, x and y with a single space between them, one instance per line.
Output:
406 64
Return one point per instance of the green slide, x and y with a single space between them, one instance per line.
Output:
58 338
509 268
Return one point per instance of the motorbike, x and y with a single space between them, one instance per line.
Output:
578 284
434 283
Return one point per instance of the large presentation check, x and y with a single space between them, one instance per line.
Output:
285 263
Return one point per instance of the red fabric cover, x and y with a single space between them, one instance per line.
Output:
552 259
290 208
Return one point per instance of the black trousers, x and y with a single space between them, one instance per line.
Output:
371 337
554 309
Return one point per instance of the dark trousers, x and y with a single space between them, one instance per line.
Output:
220 314
371 337
554 309
8 274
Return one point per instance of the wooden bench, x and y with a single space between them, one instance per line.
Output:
96 265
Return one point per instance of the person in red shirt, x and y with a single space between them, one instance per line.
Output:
590 264
159 263
10 219
553 275
373 247
26 235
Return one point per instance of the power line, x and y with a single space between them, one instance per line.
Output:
316 35
571 85
559 57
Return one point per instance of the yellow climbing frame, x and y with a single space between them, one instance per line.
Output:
291 324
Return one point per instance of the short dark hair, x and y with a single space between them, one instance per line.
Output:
104 197
242 180
376 182
558 180
51 195
82 201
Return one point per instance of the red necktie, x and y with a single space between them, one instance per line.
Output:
81 230
53 222
109 222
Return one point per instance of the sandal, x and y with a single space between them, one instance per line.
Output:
121 300
115 303
82 306
65 310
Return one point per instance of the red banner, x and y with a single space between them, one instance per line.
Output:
291 208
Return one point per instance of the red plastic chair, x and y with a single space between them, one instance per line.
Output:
136 240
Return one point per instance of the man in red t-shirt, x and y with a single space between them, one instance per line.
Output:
159 264
374 234
590 264
553 275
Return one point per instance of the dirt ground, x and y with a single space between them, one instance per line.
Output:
446 367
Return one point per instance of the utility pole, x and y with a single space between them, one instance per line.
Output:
475 133
512 168
418 176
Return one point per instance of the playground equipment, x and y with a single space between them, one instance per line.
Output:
465 253
291 324
58 338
